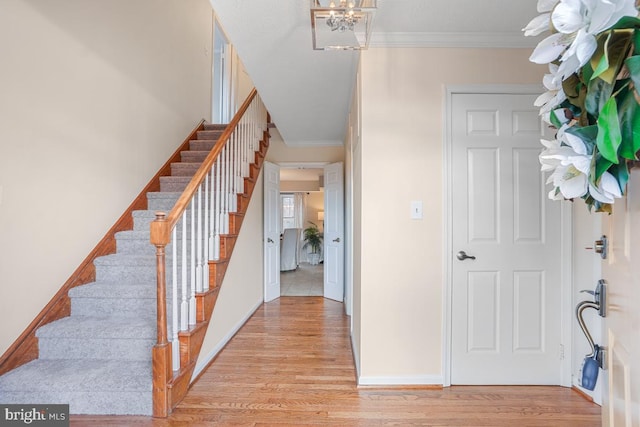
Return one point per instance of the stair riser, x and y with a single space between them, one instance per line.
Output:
135 246
135 274
193 156
83 348
96 403
209 134
215 126
202 145
164 205
142 223
143 247
184 169
139 274
132 307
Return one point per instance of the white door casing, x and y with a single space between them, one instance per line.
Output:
506 317
621 378
271 238
334 231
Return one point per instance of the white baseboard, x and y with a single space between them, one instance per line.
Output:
401 380
213 353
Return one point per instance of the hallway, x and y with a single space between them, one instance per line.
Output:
291 364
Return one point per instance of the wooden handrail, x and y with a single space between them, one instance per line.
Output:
163 237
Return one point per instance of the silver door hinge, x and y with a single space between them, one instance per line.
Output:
561 351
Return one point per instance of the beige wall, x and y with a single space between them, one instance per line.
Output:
95 96
399 273
242 289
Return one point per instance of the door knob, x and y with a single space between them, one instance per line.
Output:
337 240
462 255
269 240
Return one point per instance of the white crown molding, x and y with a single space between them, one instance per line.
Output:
453 39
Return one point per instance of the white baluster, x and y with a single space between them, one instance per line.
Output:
184 305
192 269
225 201
199 237
205 235
204 241
218 209
175 343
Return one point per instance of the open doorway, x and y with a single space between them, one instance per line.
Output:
302 225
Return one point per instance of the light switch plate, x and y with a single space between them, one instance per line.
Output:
416 209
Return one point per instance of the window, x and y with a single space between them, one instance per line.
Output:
287 202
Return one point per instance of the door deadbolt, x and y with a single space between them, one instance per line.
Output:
600 246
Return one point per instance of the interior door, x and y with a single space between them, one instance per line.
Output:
506 246
621 379
334 231
271 236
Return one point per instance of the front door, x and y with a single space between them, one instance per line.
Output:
621 379
506 246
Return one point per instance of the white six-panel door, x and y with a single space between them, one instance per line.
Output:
271 231
506 312
334 231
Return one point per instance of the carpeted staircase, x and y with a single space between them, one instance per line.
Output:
99 359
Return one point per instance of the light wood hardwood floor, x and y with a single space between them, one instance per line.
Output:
291 364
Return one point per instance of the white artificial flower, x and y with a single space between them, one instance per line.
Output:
607 190
538 25
578 22
542 22
569 159
584 19
555 94
550 48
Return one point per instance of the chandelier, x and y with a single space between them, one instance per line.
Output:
342 21
342 26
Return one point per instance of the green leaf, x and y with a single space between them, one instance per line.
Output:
627 22
598 94
554 119
633 65
599 165
636 42
588 135
629 118
621 173
616 49
599 60
587 72
609 137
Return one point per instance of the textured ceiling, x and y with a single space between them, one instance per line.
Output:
308 92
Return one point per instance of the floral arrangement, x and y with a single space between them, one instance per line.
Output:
592 98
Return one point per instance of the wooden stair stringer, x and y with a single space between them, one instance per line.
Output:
191 340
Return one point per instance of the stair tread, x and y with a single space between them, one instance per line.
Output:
100 327
79 375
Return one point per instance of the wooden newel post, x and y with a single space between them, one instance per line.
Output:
162 371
